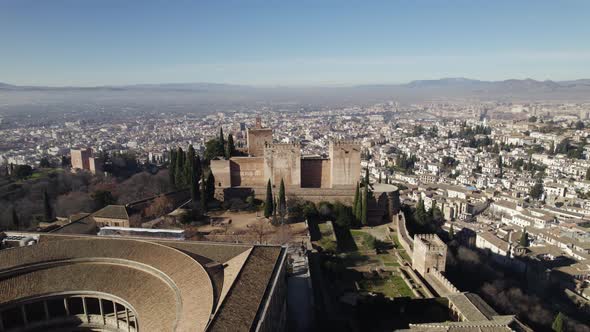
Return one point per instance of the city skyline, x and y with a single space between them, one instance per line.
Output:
65 43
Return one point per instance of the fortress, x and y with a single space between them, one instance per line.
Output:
311 178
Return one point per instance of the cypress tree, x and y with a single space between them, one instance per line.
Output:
274 212
197 166
379 177
355 201
179 173
364 206
15 221
172 167
194 176
210 186
451 232
47 209
588 174
282 201
420 215
268 202
221 143
387 178
203 194
359 208
230 148
367 175
188 164
524 239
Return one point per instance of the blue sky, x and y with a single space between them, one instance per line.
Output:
296 42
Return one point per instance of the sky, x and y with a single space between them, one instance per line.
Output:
290 42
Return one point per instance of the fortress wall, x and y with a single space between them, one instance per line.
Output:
247 172
441 280
403 235
283 161
256 140
315 195
315 173
345 163
221 172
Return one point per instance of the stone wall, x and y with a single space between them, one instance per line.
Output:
447 286
316 195
345 163
315 173
283 162
221 172
403 236
247 172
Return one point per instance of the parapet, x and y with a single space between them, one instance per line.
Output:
345 143
282 146
431 241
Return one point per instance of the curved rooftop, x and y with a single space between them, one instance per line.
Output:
166 285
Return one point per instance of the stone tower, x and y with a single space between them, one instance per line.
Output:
283 161
430 253
345 163
257 137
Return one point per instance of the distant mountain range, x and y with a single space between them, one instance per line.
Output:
210 95
452 82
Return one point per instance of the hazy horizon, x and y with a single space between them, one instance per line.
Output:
343 85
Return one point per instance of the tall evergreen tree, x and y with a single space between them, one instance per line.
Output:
358 209
268 202
451 232
364 205
355 201
179 172
367 176
210 186
172 167
230 148
189 164
282 201
203 194
524 239
387 178
421 216
47 208
537 190
198 166
15 221
194 176
274 212
379 177
587 177
220 143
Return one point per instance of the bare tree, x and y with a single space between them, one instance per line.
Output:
260 230
160 206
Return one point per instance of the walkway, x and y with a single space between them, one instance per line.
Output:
299 292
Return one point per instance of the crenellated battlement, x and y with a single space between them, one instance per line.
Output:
432 241
282 146
345 143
